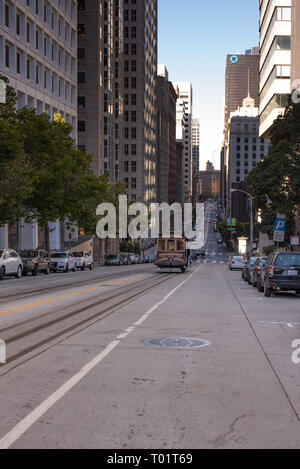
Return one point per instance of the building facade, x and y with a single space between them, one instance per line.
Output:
91 81
245 149
209 180
195 156
140 72
38 54
181 119
276 58
242 78
185 111
166 138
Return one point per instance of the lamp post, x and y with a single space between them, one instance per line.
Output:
250 198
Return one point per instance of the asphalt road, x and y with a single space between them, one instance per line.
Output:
97 381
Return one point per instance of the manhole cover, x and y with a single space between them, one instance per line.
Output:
177 342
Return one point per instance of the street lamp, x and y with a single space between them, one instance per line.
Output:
250 198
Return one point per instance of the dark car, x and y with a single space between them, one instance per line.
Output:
281 273
248 270
256 275
35 261
113 259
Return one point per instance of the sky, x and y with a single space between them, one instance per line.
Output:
194 38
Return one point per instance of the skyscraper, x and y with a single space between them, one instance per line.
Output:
245 149
140 70
91 81
166 137
275 61
241 80
38 54
195 155
242 77
185 100
100 83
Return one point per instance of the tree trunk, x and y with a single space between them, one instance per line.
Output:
46 238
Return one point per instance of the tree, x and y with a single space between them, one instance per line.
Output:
275 181
16 176
64 188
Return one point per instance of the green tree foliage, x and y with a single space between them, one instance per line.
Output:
43 175
16 176
275 181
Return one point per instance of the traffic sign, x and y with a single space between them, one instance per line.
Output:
295 240
279 236
280 225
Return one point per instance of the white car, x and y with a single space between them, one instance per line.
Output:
84 260
237 263
62 262
10 263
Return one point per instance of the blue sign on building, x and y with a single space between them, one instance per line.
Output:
280 225
234 59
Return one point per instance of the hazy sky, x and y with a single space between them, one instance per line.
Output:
194 38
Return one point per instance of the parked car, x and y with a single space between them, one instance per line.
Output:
237 263
10 264
113 259
131 258
248 270
256 276
202 252
124 258
35 261
62 262
84 260
281 273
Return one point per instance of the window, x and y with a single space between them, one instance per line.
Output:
6 15
18 29
28 69
28 32
81 53
81 126
81 101
7 58
81 30
133 166
81 5
18 63
81 77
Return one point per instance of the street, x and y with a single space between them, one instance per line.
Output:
83 372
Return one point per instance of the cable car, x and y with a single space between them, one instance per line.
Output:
171 254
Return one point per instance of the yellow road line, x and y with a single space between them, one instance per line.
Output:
117 282
4 312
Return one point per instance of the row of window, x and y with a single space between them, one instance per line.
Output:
30 69
18 23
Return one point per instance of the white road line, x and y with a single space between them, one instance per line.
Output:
8 440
